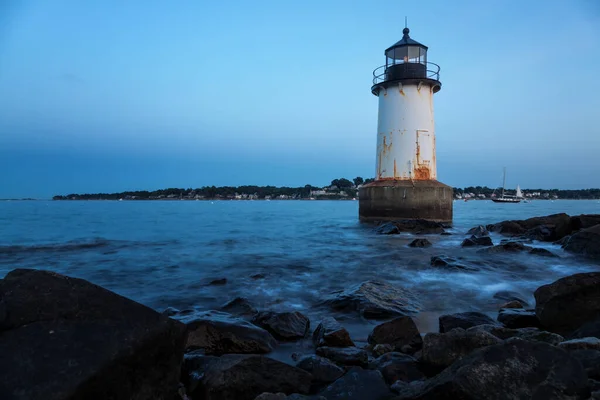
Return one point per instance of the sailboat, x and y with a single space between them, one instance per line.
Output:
505 198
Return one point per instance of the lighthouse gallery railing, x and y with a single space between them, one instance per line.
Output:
431 71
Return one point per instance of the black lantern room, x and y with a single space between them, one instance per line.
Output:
406 60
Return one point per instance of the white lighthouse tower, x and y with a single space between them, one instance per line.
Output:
406 185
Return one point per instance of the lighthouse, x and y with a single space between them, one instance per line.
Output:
406 185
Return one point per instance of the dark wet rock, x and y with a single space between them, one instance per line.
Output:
507 247
416 226
584 221
221 333
221 281
445 234
240 377
477 241
594 385
283 396
512 304
518 318
591 343
344 355
381 349
240 307
533 334
442 349
323 370
285 325
66 338
548 228
194 366
588 329
420 243
330 333
508 295
358 384
258 276
450 263
397 366
567 303
170 311
590 359
389 228
463 320
478 231
585 242
374 300
538 251
398 332
516 369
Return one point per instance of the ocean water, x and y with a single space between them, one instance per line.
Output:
165 253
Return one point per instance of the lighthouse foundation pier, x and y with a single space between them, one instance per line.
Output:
388 200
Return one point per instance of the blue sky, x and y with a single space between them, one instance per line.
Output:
103 96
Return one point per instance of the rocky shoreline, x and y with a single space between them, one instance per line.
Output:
66 338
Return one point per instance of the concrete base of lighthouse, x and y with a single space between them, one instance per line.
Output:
388 200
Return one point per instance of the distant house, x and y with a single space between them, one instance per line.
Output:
318 192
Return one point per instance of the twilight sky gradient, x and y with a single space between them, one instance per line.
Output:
104 96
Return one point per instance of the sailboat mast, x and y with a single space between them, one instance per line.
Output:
504 182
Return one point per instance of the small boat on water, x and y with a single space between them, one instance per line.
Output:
505 198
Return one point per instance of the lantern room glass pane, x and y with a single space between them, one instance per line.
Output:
402 54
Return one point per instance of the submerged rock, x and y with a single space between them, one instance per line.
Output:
507 247
358 384
240 307
512 304
464 320
220 281
569 302
585 242
442 349
508 295
538 251
330 333
518 318
399 332
244 377
66 338
283 326
416 226
344 355
375 300
516 369
221 333
323 370
397 366
450 263
477 241
420 243
478 231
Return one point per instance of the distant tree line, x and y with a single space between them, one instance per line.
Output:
339 188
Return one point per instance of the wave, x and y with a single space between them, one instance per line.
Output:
73 245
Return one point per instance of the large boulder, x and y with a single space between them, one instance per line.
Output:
344 355
66 338
569 302
585 242
244 377
477 241
330 333
358 384
584 221
375 300
463 320
323 370
397 366
399 332
442 349
221 333
589 359
548 228
518 318
283 326
590 343
516 369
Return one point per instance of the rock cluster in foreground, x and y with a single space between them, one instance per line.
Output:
65 338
